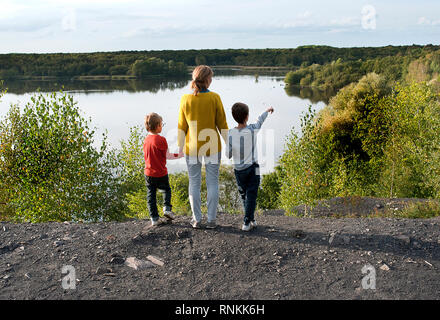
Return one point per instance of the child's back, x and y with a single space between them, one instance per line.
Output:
242 147
155 151
242 144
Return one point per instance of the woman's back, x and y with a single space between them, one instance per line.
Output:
201 116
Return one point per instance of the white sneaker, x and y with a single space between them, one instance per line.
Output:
195 224
154 222
246 227
169 215
253 224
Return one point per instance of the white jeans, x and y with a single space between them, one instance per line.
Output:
212 165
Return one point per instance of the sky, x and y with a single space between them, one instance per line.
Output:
41 26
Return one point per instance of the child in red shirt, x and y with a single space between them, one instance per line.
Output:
156 173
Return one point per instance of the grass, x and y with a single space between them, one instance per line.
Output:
416 210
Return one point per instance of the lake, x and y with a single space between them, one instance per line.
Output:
115 106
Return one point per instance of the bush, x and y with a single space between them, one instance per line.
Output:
49 168
370 141
421 210
298 182
268 194
414 210
5 211
179 183
229 197
412 154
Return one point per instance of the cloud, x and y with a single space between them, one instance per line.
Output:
345 22
305 24
427 22
23 17
25 26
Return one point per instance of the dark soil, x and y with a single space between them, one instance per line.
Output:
283 258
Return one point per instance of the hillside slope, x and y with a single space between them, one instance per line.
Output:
284 258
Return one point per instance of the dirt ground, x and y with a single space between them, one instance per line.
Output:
283 258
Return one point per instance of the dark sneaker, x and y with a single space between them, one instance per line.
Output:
211 225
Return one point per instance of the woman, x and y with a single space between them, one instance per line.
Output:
201 118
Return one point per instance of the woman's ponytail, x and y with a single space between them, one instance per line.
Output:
200 78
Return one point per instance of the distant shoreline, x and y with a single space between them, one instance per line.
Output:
82 78
131 77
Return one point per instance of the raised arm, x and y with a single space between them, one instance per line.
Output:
261 119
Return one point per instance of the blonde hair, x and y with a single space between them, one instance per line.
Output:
200 77
152 121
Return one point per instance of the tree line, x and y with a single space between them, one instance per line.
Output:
418 65
175 62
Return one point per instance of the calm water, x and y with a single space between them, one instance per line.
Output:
115 106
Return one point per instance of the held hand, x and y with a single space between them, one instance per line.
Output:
180 155
270 109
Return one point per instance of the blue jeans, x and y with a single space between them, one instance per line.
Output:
212 166
248 181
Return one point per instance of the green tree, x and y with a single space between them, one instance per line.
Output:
118 70
149 67
50 169
412 154
200 60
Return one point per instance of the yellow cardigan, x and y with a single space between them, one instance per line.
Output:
201 118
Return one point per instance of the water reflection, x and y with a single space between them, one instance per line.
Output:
315 95
149 85
155 85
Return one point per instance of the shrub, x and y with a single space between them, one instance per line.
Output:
370 141
296 165
229 197
422 210
268 194
412 154
179 186
5 211
414 210
49 168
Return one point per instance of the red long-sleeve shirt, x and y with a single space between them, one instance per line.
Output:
155 155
